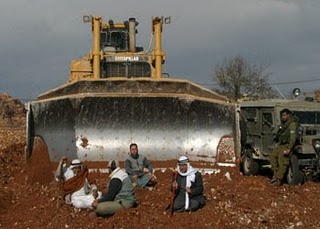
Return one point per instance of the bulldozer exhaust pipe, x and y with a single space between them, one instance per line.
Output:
132 35
158 53
96 55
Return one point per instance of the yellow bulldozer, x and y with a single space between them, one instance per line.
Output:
117 95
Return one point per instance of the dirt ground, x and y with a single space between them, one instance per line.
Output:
29 198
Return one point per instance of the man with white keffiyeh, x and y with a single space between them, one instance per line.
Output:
188 187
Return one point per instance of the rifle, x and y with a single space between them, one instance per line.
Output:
276 138
174 189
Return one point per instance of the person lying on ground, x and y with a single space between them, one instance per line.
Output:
120 193
76 188
139 168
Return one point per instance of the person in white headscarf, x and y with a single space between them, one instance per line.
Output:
77 189
188 187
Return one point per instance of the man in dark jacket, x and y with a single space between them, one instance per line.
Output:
139 168
120 193
188 187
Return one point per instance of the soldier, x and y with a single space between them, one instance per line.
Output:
280 156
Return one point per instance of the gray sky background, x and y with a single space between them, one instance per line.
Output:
39 38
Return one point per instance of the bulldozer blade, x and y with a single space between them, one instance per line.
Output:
96 128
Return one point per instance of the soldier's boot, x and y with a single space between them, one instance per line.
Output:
276 183
273 179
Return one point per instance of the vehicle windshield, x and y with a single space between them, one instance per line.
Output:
117 38
308 117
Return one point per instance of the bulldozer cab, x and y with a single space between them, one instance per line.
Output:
115 40
115 54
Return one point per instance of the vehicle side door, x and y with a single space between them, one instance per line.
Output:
252 126
268 130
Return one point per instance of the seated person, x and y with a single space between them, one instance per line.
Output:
77 190
139 168
120 193
188 188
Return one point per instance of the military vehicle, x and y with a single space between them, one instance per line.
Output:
117 95
259 122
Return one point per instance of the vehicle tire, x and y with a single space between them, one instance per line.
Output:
294 175
249 166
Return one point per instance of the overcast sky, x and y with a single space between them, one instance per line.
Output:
39 38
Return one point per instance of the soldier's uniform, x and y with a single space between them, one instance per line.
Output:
287 138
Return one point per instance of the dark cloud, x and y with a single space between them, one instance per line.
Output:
40 38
